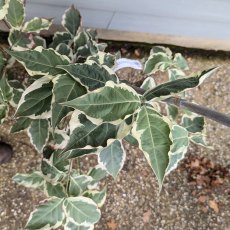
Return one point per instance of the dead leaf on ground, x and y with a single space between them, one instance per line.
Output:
213 205
112 225
146 216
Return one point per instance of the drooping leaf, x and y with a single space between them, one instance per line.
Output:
39 133
21 124
48 215
152 132
71 20
112 158
37 24
57 190
178 85
50 172
16 13
65 89
4 4
32 180
192 123
91 75
111 103
81 210
89 134
36 99
61 37
97 196
3 112
78 184
180 142
40 61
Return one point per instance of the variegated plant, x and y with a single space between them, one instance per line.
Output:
73 104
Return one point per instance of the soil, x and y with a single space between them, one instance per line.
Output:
196 196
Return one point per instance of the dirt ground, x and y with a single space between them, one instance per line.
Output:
196 196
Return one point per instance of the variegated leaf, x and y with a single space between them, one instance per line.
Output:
180 62
33 180
18 90
91 74
81 210
193 123
57 190
21 124
98 197
61 37
40 61
36 25
71 20
47 215
65 89
4 4
199 139
39 41
39 133
112 158
2 61
97 173
3 112
111 103
180 142
16 13
69 225
152 132
178 85
172 111
64 49
175 74
6 89
148 83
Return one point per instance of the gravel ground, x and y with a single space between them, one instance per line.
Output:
188 200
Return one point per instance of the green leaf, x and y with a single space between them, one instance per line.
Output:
71 20
172 111
89 134
178 85
32 180
3 113
97 196
57 190
97 173
59 163
111 103
37 24
39 41
61 37
112 158
193 124
152 132
2 62
175 74
40 61
148 83
102 58
6 90
90 75
50 172
64 49
39 133
36 99
178 148
18 90
4 4
69 225
16 13
46 216
65 89
58 138
199 139
81 210
157 61
78 184
180 62
131 140
21 124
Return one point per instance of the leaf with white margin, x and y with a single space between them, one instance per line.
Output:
90 74
131 140
6 89
111 103
81 210
157 62
112 158
21 124
89 134
50 172
71 20
57 190
36 99
4 4
40 61
148 83
161 49
199 139
47 215
98 197
64 49
32 180
172 111
59 163
153 134
3 112
179 85
193 123
78 184
39 133
18 90
39 41
69 225
180 142
16 13
2 61
60 139
180 62
37 24
175 74
97 173
65 89
61 37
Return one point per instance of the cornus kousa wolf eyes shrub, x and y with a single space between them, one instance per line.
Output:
73 104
